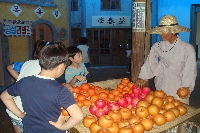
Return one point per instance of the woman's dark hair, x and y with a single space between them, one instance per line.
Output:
83 40
51 56
72 51
38 46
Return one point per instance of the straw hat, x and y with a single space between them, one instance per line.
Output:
168 24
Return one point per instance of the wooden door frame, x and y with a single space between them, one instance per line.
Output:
194 9
5 59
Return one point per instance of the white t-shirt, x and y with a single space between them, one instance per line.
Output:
29 68
85 50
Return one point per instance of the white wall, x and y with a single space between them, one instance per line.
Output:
93 9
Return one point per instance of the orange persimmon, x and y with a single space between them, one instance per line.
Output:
64 112
94 97
126 88
85 86
111 95
91 91
86 94
107 91
119 89
103 95
82 90
130 85
115 92
120 85
87 102
81 97
76 89
117 98
80 104
124 91
125 80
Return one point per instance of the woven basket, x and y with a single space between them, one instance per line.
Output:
112 84
108 84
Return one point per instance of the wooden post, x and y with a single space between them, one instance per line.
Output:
140 40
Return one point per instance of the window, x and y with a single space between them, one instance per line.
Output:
110 4
74 5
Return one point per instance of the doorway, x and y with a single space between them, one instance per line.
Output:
195 30
41 32
108 46
1 66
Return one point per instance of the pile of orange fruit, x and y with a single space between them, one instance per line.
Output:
87 94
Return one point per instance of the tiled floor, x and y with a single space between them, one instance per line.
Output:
100 74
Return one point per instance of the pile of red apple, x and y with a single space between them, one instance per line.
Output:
102 107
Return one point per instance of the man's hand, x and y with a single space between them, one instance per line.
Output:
140 82
60 121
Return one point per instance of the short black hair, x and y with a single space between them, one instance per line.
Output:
72 51
83 40
37 47
53 55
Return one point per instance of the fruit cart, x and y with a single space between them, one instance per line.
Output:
191 114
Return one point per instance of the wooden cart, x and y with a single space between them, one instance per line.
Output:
112 84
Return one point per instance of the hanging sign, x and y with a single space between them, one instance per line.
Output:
14 28
111 21
16 10
56 13
39 12
138 17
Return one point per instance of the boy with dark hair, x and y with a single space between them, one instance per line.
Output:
19 70
75 74
42 96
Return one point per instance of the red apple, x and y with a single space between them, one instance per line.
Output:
142 96
115 107
126 94
132 94
107 109
111 103
134 102
100 112
129 99
122 102
137 91
93 109
100 104
146 90
135 87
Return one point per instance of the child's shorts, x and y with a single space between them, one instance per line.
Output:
18 123
87 65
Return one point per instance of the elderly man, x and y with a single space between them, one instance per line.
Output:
171 61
